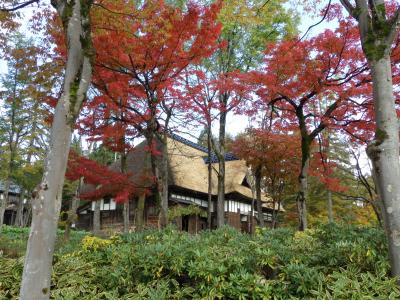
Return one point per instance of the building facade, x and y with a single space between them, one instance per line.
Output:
188 187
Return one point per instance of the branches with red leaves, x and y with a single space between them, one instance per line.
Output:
107 182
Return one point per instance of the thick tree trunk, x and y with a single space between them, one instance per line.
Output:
384 154
257 177
96 218
330 207
140 213
302 196
47 201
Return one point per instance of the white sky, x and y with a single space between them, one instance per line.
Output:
235 123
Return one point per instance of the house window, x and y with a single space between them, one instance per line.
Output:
106 203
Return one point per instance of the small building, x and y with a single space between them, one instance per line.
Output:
188 186
12 204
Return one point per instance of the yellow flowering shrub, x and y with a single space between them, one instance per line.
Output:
92 243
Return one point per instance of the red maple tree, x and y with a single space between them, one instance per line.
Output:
313 84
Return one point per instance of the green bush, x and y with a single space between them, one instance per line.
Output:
328 262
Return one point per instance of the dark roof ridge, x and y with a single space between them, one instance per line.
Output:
214 158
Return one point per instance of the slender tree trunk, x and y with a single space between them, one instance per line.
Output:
164 181
378 212
126 203
47 202
72 217
20 209
4 201
97 218
302 196
257 177
28 214
221 170
384 154
209 179
126 216
330 207
72 212
140 213
250 180
275 214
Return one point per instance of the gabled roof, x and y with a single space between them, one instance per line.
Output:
214 157
187 169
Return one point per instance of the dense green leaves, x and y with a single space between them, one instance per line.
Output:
329 262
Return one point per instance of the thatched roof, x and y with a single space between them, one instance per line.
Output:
188 169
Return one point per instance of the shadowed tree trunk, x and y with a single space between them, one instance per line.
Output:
164 181
302 195
47 201
97 218
4 201
258 177
72 212
20 209
220 151
126 203
140 213
209 177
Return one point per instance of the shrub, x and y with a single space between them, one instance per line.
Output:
329 262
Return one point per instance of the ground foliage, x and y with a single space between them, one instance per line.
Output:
328 262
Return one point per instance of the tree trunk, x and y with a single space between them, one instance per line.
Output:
72 212
302 196
4 201
126 203
47 202
330 207
384 154
26 218
221 171
275 214
72 216
20 209
97 218
164 182
209 179
155 162
140 213
126 216
257 177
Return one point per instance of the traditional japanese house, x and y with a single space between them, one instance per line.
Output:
188 186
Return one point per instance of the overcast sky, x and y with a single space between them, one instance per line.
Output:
235 124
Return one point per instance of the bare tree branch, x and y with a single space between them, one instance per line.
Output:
349 7
18 6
